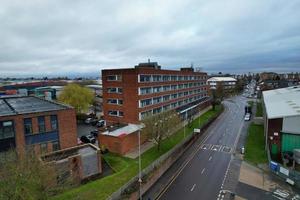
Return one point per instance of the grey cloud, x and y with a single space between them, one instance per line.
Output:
48 37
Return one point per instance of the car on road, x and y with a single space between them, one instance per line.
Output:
94 132
247 117
88 139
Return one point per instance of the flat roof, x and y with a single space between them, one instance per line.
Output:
221 79
282 102
27 104
126 130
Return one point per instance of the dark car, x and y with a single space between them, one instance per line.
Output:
88 139
101 123
94 133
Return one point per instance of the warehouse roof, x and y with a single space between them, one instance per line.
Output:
14 105
221 79
282 102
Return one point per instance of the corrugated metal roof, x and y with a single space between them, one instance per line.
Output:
282 102
221 79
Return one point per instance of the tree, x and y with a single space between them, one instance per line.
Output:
220 92
25 177
77 96
160 126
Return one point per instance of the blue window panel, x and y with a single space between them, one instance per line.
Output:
40 138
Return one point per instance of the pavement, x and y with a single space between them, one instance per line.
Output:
202 170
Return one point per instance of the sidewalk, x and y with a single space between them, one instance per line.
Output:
148 145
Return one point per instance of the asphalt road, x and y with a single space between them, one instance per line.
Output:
203 177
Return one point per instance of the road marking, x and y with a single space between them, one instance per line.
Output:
209 158
178 172
202 170
193 187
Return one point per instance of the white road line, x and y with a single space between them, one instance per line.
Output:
202 171
209 158
193 187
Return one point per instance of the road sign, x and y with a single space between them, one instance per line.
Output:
197 130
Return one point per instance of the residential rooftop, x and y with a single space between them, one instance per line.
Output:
14 105
284 102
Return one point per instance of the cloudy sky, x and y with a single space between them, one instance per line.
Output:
39 37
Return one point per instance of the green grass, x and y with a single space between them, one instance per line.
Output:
126 168
259 110
250 103
255 145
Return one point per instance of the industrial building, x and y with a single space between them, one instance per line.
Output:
282 120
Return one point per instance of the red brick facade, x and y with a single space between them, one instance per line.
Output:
130 82
67 129
122 144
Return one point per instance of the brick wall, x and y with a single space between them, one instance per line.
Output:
66 126
120 145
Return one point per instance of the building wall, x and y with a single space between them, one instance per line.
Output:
120 145
291 125
274 125
67 129
131 97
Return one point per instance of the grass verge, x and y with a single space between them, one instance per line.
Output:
259 109
255 145
126 168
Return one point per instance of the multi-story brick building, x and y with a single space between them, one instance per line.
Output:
131 94
31 122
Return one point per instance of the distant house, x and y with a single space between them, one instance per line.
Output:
228 84
282 120
28 122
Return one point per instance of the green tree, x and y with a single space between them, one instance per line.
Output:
77 96
25 177
160 126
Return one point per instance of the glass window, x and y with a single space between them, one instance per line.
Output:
166 78
6 129
146 90
112 101
156 78
43 147
156 100
174 78
173 87
174 105
157 89
53 122
174 96
167 107
114 78
41 124
146 102
180 86
145 78
28 126
166 97
121 114
166 88
114 90
157 110
55 146
113 112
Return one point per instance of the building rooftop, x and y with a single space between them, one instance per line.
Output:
282 102
126 130
221 79
27 104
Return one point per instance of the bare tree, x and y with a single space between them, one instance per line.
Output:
160 126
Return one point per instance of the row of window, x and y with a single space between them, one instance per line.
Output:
164 88
174 105
6 130
162 78
115 101
115 113
44 146
114 78
115 90
155 100
41 124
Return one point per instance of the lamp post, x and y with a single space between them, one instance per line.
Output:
140 166
185 116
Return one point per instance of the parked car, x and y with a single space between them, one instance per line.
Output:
247 117
95 133
101 123
88 120
88 139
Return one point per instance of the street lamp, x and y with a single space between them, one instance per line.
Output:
185 116
140 165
